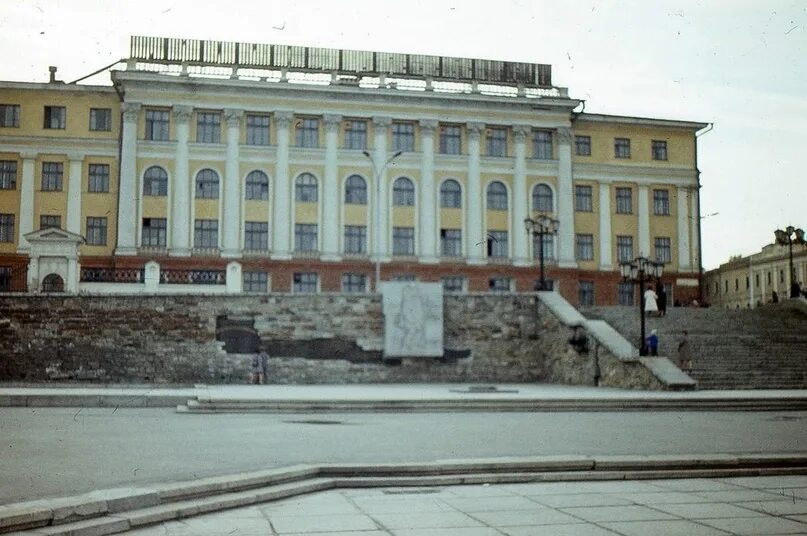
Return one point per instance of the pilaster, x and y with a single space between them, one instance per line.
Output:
520 198
684 254
181 199
644 222
283 208
565 202
231 218
381 250
330 190
26 224
606 257
73 220
428 195
475 245
127 182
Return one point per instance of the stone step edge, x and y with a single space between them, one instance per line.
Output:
108 507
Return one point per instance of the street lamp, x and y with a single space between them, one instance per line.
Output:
541 226
641 270
377 174
788 237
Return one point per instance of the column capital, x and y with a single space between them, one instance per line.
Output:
75 156
233 117
521 133
182 114
28 155
283 119
380 121
332 122
131 111
565 135
475 129
428 126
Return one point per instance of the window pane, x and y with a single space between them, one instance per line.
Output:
305 282
305 237
584 247
497 244
403 192
354 283
98 178
497 142
256 281
8 175
155 182
356 135
450 139
305 188
582 145
624 201
451 242
583 199
257 129
55 117
499 284
624 248
307 133
208 127
153 232
157 125
659 150
661 202
621 147
49 221
6 227
356 239
96 231
256 236
355 190
10 115
542 144
257 186
450 194
542 198
585 294
453 284
403 137
52 173
207 184
100 119
663 249
497 196
403 241
205 234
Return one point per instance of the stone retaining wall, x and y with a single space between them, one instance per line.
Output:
172 339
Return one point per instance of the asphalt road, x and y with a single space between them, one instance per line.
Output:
61 451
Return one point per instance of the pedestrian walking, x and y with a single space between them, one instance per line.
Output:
662 299
684 353
652 343
650 301
260 363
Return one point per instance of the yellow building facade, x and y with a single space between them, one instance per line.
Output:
302 169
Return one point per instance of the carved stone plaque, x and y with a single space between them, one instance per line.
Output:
413 319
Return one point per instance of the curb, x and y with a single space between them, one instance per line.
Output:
118 510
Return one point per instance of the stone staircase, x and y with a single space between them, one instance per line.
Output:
763 348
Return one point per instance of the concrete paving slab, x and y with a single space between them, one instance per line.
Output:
707 510
535 516
601 514
559 530
758 526
427 520
285 524
664 528
779 508
580 499
740 495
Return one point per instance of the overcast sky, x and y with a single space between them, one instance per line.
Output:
740 64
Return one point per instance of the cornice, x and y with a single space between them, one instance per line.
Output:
644 121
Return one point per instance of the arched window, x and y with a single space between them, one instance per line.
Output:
450 194
53 283
305 188
542 198
155 181
497 196
257 186
355 191
207 184
403 192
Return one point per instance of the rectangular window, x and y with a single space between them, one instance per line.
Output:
403 137
450 139
582 145
256 236
584 247
500 284
451 242
52 173
625 293
96 231
768 277
621 147
153 232
10 115
403 241
659 150
585 292
8 175
256 282
55 117
205 234
355 134
50 221
356 239
542 145
497 244
6 227
101 119
624 200
496 142
257 129
661 202
305 237
98 180
208 127
305 282
453 284
548 246
583 199
663 249
307 132
624 248
354 283
157 125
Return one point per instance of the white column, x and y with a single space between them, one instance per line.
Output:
695 229
644 222
684 259
283 211
330 190
231 218
475 243
129 198
381 221
565 200
428 194
520 237
606 258
26 224
181 193
73 223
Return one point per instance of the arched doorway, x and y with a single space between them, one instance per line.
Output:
53 283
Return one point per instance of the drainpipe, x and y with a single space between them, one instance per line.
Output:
700 237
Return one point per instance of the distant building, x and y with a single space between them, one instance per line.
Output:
233 167
751 280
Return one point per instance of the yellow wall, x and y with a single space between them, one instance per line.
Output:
680 145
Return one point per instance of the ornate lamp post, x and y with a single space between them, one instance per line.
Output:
541 226
639 271
377 175
788 237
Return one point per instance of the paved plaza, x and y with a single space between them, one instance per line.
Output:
687 507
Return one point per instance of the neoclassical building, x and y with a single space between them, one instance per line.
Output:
240 167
